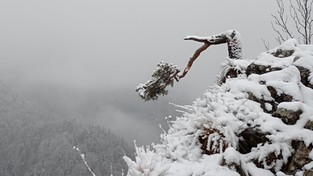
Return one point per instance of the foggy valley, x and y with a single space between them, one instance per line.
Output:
69 69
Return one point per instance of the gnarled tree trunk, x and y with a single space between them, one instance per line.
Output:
231 37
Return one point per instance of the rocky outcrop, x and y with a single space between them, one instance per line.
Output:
289 117
278 102
252 137
304 74
258 120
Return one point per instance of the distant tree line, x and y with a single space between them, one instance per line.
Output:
32 144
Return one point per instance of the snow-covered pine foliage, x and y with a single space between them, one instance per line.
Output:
258 122
163 76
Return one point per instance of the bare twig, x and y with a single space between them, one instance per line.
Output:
266 44
84 160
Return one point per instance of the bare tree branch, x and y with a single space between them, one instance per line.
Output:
300 12
297 20
231 37
197 39
194 57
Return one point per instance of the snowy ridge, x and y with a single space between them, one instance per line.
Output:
210 138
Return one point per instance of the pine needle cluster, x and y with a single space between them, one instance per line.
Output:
162 77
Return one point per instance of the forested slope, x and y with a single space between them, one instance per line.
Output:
32 143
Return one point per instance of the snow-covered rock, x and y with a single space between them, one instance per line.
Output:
257 120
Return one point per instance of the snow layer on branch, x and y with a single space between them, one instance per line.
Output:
224 112
231 37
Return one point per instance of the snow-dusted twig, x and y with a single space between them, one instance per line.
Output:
84 159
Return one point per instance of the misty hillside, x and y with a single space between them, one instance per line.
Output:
257 120
32 143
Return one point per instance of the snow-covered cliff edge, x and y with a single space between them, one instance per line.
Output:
257 121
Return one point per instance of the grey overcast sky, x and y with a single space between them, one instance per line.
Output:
84 58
